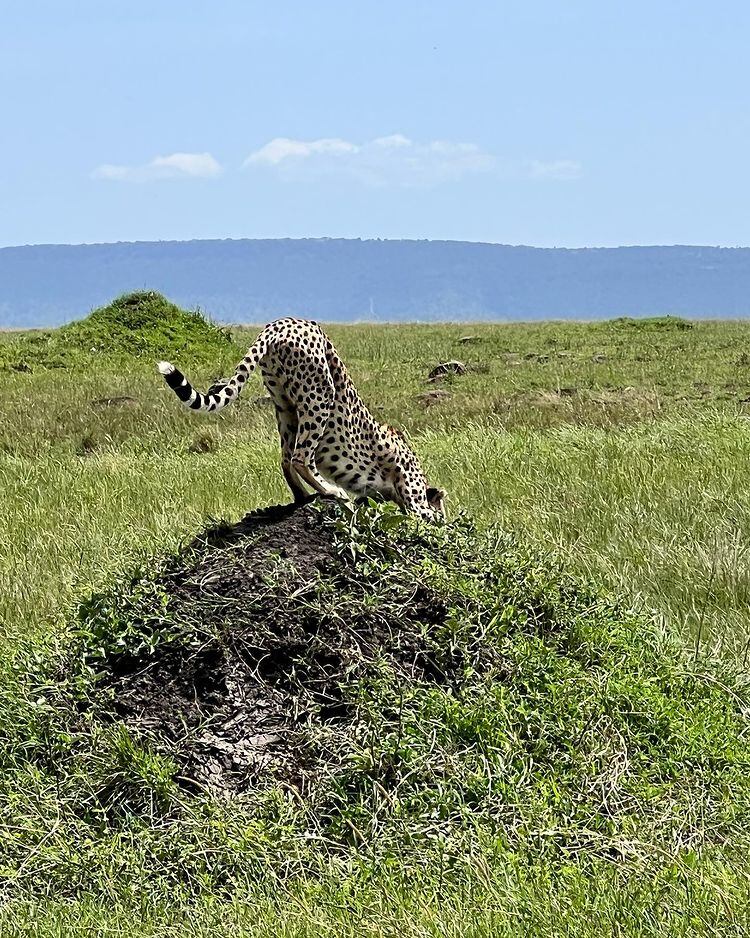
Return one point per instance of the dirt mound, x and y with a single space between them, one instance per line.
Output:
265 669
404 680
143 324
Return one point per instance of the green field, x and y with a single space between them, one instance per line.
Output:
620 450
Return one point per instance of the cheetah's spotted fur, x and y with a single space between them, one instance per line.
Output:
329 439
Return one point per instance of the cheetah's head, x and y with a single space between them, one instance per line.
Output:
436 501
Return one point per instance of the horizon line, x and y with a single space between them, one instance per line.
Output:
325 238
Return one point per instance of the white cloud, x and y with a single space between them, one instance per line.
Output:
394 140
174 166
557 169
391 160
282 148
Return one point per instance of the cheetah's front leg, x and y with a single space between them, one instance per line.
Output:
303 463
309 433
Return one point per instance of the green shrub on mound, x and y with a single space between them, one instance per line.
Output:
142 324
326 685
648 324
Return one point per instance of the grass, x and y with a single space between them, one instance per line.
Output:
514 901
621 448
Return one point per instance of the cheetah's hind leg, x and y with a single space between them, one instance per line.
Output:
287 425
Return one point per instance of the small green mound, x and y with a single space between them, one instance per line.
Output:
135 325
324 683
650 323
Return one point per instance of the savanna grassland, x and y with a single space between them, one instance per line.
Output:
615 455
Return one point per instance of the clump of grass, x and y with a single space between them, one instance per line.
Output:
88 444
204 442
651 323
136 325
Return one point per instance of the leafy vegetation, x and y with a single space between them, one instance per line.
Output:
577 769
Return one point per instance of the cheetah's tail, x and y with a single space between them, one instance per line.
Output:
218 398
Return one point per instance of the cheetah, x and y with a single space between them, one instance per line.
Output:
329 439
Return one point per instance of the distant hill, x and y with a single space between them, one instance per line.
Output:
330 279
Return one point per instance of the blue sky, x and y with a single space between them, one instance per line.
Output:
546 123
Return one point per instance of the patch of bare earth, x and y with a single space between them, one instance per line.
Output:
251 699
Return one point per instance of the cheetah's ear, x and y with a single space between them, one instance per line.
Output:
435 494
